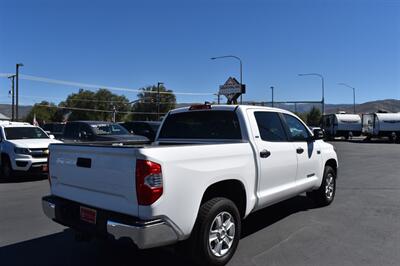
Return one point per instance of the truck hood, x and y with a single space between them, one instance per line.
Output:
33 143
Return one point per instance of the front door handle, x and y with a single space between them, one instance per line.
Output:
299 150
265 153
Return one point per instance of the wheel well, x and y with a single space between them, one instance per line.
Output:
230 189
332 163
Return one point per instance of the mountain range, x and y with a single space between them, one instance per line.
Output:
388 105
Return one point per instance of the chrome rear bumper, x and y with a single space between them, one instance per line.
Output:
145 234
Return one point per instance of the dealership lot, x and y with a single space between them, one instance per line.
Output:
360 227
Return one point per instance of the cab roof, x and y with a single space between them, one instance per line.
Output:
225 107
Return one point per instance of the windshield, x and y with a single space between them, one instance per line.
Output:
202 125
109 129
24 133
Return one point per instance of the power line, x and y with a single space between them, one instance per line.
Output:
93 86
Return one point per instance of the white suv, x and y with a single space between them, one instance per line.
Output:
24 148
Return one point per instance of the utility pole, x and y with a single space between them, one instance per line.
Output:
114 113
17 66
158 99
272 99
12 77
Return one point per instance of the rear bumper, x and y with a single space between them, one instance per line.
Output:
144 233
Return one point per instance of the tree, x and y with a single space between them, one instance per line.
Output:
147 103
303 116
44 111
314 117
102 100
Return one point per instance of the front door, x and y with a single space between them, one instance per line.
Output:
307 150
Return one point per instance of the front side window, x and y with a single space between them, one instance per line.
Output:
24 133
270 126
297 131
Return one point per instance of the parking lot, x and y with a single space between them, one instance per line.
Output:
360 227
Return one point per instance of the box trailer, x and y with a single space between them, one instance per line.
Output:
341 125
381 125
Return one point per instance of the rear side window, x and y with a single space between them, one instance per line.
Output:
270 126
202 125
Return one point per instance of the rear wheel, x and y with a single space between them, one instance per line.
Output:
217 232
6 169
326 192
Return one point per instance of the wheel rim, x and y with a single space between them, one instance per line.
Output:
330 186
222 234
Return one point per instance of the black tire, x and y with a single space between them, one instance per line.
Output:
201 247
6 169
324 196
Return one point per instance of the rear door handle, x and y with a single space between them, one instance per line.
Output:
265 153
299 150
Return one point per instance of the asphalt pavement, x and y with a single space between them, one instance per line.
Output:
361 227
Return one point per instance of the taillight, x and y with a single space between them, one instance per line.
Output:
149 183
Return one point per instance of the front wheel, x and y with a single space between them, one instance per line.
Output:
217 232
326 192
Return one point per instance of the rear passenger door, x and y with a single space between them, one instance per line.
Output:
307 150
276 156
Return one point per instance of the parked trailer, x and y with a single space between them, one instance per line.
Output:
381 125
341 125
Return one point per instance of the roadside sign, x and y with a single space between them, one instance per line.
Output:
232 89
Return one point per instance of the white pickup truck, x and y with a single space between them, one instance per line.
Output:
209 168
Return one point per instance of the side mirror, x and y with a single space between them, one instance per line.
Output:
318 133
52 136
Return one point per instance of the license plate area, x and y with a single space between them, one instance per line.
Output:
88 215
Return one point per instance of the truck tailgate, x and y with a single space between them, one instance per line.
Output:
98 176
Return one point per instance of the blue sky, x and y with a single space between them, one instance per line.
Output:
132 44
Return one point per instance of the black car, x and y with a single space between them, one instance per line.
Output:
93 131
145 128
55 129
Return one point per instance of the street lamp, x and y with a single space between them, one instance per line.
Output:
241 73
16 88
272 98
323 88
354 95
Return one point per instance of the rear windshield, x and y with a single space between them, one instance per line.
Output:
202 125
24 133
109 129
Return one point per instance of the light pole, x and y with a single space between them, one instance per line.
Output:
272 98
323 88
354 95
17 66
240 65
158 99
12 77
